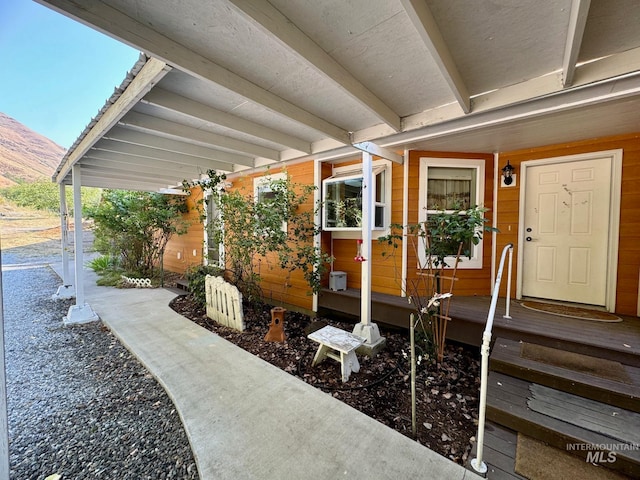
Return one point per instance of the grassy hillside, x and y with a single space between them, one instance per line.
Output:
25 155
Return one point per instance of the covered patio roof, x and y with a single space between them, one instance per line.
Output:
232 85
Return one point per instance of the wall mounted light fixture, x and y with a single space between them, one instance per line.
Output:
507 173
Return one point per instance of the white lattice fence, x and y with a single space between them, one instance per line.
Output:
138 282
224 303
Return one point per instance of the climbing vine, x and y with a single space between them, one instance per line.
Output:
276 230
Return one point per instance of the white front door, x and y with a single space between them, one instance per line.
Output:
565 238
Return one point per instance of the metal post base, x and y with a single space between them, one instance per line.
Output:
480 468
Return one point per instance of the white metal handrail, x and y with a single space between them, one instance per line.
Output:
477 463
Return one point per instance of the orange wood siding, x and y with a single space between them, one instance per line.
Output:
278 285
629 240
470 281
386 274
186 244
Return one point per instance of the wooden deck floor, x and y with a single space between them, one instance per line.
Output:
614 341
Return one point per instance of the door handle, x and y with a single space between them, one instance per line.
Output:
528 239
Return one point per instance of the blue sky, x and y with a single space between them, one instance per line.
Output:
55 73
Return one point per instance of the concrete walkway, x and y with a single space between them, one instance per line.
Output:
247 419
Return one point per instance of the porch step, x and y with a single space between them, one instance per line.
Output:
507 405
182 284
499 453
507 358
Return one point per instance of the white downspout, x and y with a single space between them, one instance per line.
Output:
81 312
494 223
405 221
67 289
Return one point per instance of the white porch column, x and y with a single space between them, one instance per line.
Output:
81 312
366 328
67 289
4 417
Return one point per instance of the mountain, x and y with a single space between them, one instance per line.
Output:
25 155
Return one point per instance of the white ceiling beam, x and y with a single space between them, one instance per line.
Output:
136 137
618 65
119 184
558 102
519 92
149 75
162 156
278 26
124 185
143 165
577 23
429 32
130 173
125 160
184 132
379 151
177 103
612 70
142 36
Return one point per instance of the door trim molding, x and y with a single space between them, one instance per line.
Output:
614 216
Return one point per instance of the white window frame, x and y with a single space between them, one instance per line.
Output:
220 261
264 180
475 262
355 171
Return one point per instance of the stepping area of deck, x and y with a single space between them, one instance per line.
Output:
600 379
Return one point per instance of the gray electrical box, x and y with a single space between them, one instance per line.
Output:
337 281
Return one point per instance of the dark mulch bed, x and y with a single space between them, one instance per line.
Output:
447 395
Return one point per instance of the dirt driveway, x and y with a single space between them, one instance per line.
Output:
33 236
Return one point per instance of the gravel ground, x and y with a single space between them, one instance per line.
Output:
80 405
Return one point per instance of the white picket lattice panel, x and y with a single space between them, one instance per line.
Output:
224 303
138 282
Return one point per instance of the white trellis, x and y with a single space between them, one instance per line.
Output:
138 282
224 303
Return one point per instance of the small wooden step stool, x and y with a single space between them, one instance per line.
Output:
339 345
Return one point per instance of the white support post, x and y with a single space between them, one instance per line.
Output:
81 312
67 289
366 328
317 239
4 417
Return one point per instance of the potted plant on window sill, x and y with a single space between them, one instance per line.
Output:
348 213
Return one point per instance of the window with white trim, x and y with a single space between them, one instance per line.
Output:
342 198
450 185
214 248
262 191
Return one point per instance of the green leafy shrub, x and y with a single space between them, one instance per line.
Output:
276 231
135 227
196 276
110 278
45 195
446 236
102 263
